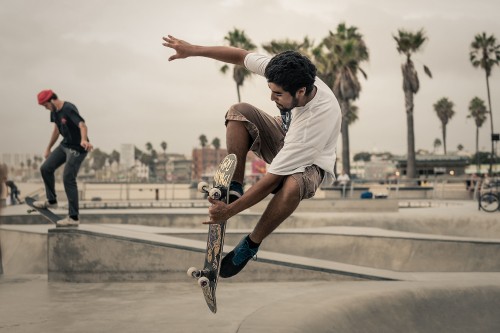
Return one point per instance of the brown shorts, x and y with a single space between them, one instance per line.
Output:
268 139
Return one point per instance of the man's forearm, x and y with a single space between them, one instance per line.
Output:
83 131
183 49
226 54
53 138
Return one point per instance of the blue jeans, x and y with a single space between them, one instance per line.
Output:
73 160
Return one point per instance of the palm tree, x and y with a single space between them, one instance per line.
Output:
278 46
409 43
203 142
477 111
444 111
216 144
437 144
163 146
485 53
338 58
237 38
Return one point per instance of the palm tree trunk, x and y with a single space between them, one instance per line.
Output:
344 129
492 157
346 163
411 162
444 138
477 149
238 91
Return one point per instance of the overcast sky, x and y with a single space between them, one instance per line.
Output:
106 57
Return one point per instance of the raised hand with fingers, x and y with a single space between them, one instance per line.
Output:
182 48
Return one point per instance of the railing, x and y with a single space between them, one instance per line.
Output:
431 188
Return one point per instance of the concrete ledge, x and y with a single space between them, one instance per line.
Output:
99 253
380 249
344 205
390 307
338 192
23 251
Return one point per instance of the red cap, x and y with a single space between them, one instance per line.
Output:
44 96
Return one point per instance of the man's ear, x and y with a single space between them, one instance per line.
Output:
300 92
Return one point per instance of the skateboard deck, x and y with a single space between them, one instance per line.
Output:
209 275
47 213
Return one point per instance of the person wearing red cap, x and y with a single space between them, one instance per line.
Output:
73 149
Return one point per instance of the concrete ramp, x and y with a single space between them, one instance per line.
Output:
23 249
93 253
384 307
376 248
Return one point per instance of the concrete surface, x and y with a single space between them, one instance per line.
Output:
419 301
31 304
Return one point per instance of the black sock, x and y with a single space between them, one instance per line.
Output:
74 217
52 202
251 243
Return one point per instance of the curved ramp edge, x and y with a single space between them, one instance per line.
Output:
384 307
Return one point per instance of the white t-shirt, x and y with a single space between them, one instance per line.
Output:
313 133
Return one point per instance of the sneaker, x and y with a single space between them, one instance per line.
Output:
67 222
44 204
235 191
235 260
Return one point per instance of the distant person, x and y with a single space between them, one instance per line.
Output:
14 192
299 144
343 179
472 181
72 151
3 188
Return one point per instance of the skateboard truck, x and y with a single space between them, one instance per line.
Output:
216 193
201 275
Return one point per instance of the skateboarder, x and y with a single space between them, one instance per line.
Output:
72 151
300 146
14 192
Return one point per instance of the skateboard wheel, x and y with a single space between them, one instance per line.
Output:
203 187
193 272
203 282
215 193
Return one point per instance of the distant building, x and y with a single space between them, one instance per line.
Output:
127 159
14 160
178 168
205 161
430 165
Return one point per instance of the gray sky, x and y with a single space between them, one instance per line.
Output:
106 57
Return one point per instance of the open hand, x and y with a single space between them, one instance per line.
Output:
182 48
86 145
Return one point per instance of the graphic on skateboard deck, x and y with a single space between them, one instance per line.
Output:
47 213
209 275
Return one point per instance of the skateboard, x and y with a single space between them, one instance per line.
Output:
209 275
47 213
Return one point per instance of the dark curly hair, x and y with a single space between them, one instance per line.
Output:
292 71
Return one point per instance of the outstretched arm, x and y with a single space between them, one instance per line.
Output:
183 49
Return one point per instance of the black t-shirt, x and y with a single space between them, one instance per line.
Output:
67 120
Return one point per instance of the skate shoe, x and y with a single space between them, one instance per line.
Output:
236 260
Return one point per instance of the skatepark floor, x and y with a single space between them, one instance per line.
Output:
30 304
438 302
